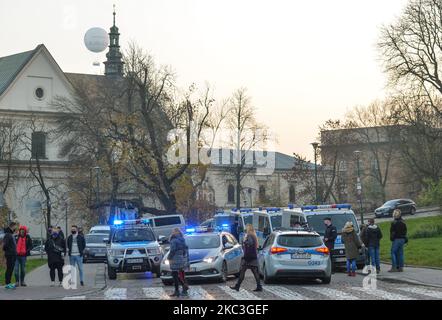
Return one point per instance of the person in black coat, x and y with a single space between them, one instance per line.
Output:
398 237
372 239
55 248
330 235
10 249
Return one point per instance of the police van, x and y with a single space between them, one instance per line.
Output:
233 221
340 214
265 221
133 247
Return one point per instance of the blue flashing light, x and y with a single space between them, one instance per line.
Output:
273 209
245 210
225 225
343 206
118 222
190 230
291 206
309 208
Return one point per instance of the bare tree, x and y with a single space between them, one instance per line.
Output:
245 135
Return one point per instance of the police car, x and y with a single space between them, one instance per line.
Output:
212 255
296 253
339 214
233 221
133 247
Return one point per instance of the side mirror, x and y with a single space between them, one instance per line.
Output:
228 245
162 239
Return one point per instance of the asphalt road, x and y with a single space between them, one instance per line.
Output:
342 287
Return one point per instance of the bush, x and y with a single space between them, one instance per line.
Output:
432 195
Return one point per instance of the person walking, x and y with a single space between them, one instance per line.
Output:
398 237
10 249
373 236
330 235
76 245
352 245
250 259
24 246
179 260
55 247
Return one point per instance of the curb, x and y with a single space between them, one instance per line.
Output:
408 281
414 266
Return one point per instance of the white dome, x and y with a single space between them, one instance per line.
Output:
96 39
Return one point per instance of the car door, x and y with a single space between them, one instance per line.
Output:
235 254
402 205
265 251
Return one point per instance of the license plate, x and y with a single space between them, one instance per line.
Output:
301 256
135 261
100 254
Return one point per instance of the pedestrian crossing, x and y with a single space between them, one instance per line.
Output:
270 292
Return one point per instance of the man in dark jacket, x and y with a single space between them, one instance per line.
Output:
372 239
398 236
330 235
76 246
10 249
55 246
24 246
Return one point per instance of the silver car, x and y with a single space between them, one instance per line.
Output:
212 255
133 247
294 254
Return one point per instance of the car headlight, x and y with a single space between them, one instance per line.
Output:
115 252
166 262
154 251
210 259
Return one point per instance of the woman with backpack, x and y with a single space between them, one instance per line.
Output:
250 259
55 246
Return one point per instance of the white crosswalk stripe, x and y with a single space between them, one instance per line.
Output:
284 293
332 293
116 294
422 291
383 294
198 293
242 294
75 298
155 293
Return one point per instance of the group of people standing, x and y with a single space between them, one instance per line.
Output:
17 247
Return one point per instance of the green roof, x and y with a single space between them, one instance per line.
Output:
10 66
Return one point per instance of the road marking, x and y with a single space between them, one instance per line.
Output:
155 293
332 293
242 294
198 293
284 293
383 294
422 291
75 298
116 294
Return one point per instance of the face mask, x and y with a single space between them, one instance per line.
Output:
55 235
74 232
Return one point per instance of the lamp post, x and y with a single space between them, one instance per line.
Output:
315 148
357 154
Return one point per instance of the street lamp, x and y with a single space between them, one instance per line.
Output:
315 148
357 154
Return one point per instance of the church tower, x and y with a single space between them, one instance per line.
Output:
114 64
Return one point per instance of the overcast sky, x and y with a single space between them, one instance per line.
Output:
303 61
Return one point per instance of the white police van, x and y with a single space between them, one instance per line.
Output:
340 214
233 221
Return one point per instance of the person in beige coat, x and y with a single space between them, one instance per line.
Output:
352 245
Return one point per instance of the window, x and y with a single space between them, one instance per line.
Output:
167 221
292 195
38 145
231 194
39 93
262 193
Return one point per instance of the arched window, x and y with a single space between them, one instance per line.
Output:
292 196
262 193
231 194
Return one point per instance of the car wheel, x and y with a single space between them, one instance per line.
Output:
167 282
266 278
326 280
413 211
224 272
112 273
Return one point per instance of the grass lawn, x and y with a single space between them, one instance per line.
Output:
418 252
31 264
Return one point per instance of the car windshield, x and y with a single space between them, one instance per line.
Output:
316 221
95 238
101 231
203 242
133 235
276 221
299 241
389 203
